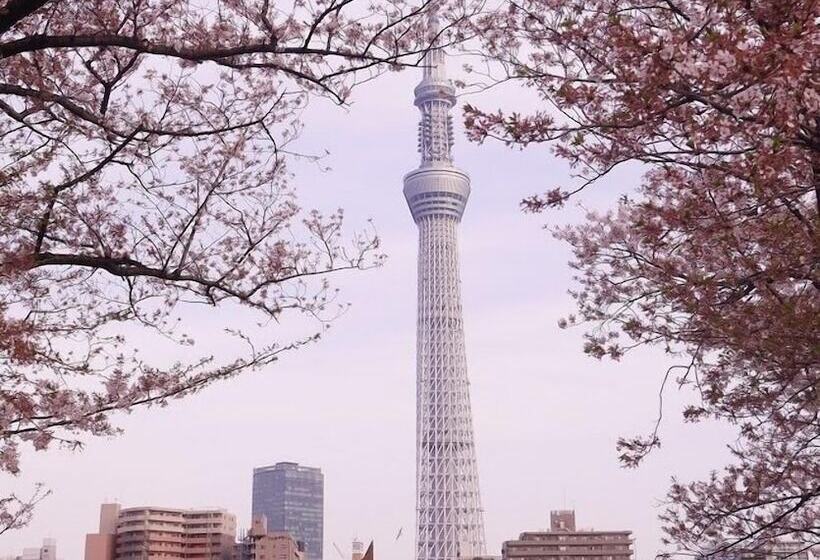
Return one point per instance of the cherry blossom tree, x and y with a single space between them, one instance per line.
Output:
143 152
714 256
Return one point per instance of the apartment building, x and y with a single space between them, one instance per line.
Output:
259 544
564 542
158 533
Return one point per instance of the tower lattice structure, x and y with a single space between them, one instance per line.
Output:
449 520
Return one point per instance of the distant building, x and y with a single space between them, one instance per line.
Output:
259 544
291 497
564 542
144 533
785 548
778 549
46 552
49 549
357 550
368 554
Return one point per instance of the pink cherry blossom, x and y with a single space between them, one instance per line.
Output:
144 151
716 256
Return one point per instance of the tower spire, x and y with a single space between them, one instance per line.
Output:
449 524
435 96
433 62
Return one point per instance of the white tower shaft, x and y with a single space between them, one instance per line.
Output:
449 522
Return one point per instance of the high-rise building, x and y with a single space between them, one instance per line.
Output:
291 497
260 544
145 533
564 542
449 519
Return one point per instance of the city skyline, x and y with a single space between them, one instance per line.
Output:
146 528
357 368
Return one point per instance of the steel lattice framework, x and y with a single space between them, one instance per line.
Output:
449 522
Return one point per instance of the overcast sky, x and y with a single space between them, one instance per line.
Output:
546 416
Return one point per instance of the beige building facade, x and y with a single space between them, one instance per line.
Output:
155 533
259 544
564 542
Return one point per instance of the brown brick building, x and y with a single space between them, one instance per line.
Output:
259 544
564 542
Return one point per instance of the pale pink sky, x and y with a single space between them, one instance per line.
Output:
546 416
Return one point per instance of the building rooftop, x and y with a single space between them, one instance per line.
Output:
138 509
285 465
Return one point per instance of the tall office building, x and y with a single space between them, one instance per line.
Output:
291 497
143 533
449 519
564 542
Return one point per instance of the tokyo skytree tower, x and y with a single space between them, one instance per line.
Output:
449 520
